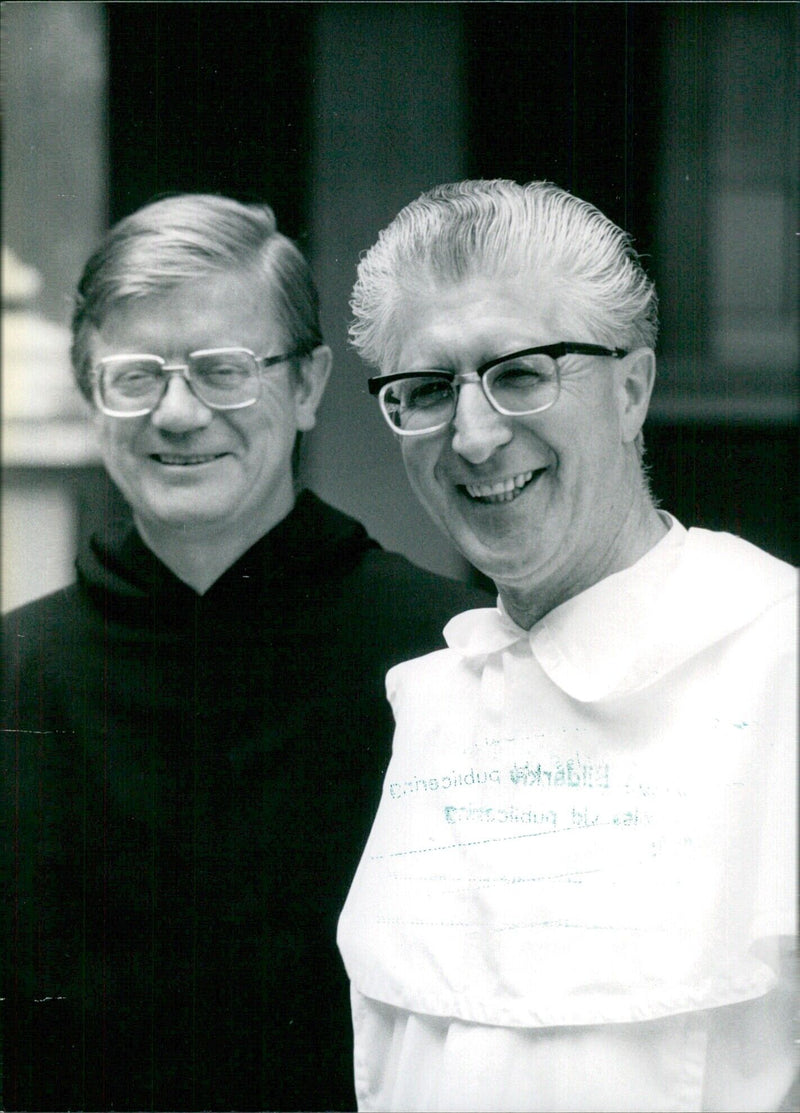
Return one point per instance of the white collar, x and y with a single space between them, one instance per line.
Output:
685 593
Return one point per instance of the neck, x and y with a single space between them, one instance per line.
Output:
641 530
199 556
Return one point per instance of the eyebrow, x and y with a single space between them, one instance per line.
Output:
498 353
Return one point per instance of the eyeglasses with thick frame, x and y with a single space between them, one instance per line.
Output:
162 371
381 384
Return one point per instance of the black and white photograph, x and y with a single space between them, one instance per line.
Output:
399 556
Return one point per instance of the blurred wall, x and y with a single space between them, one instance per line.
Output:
677 119
723 428
53 210
388 122
727 212
54 140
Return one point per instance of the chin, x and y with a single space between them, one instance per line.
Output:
500 569
183 517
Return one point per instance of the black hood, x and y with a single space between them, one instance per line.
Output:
118 570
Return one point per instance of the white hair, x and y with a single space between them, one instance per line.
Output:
464 229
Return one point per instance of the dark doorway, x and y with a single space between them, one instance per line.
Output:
211 97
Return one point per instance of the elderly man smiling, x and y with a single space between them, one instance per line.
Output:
603 925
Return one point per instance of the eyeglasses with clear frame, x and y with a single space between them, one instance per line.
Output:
133 385
419 403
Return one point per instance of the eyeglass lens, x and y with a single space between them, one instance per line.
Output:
522 385
218 378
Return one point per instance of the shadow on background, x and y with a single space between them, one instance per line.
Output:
672 118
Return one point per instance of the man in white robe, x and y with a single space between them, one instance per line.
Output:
580 888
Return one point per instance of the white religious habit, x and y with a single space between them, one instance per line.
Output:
585 851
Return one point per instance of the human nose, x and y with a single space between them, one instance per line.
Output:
180 410
478 429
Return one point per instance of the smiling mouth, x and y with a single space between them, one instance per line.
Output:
503 490
184 461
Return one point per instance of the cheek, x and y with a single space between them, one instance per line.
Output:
419 467
114 442
267 424
265 444
579 448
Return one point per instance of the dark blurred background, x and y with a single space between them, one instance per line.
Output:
678 120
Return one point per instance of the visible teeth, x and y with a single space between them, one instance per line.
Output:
503 490
164 459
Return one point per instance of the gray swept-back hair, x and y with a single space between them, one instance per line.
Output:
497 227
185 238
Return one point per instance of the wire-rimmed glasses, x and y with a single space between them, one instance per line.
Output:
417 403
132 385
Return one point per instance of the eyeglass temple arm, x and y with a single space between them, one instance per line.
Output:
270 361
566 348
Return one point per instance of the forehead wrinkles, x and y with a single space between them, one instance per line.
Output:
506 310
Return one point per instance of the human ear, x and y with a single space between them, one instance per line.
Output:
635 376
312 377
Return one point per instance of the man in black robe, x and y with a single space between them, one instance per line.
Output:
196 731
